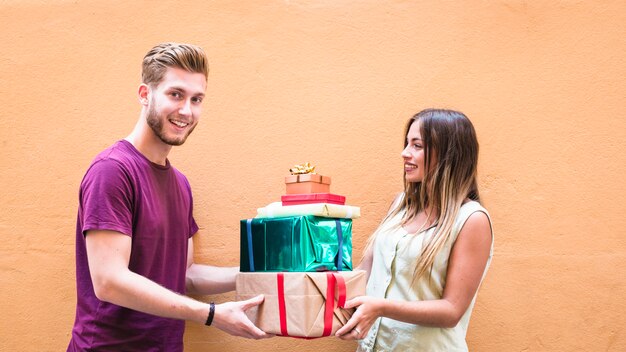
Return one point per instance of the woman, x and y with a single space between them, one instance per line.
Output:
429 255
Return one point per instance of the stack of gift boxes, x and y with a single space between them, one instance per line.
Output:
298 254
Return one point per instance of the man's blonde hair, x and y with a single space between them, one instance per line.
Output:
184 56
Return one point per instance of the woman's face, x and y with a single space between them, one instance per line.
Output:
413 155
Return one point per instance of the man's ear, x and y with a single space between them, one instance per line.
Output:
143 94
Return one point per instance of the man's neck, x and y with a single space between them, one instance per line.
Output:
147 143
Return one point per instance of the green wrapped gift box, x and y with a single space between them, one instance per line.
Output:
296 243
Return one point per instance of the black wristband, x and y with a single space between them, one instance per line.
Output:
209 319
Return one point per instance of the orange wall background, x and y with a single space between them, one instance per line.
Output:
332 82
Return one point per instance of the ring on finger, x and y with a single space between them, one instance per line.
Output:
358 332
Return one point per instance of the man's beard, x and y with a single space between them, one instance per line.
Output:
156 123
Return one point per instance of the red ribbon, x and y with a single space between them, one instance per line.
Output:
281 304
330 304
332 280
341 287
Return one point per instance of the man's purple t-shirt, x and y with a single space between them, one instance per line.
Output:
123 191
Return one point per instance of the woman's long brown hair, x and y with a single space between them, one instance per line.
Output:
451 159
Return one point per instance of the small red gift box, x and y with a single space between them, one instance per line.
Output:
310 198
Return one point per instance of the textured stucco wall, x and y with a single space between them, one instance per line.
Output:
332 82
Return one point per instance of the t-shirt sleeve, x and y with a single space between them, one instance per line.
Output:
106 198
193 226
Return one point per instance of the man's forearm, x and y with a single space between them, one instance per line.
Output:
136 292
207 280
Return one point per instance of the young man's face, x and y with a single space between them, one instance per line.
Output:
175 105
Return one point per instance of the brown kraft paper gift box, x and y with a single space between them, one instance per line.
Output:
296 303
307 183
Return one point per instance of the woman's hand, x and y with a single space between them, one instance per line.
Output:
368 309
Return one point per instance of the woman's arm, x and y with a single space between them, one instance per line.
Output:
468 259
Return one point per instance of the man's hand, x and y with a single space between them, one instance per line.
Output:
230 317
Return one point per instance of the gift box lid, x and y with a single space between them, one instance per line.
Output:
309 198
277 209
308 178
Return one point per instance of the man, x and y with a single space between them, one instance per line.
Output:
134 249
